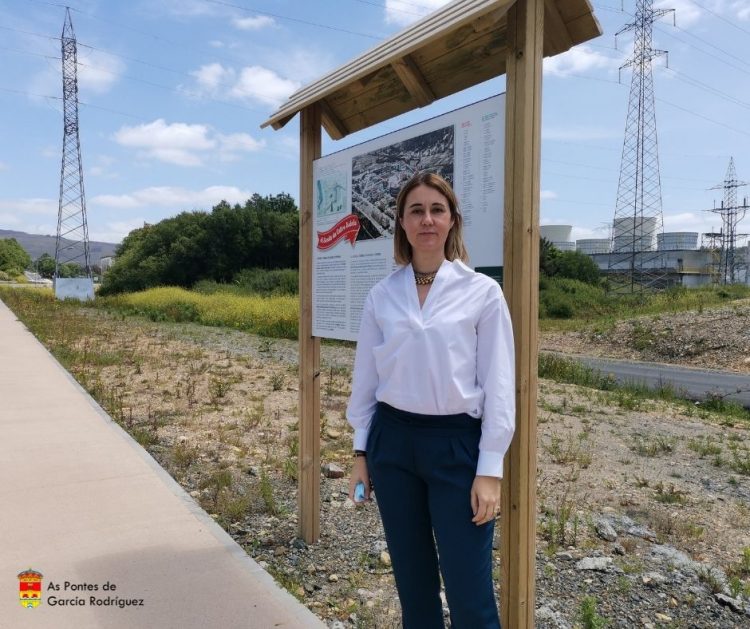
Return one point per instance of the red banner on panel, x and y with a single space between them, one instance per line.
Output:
347 228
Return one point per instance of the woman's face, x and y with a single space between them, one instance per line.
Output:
427 220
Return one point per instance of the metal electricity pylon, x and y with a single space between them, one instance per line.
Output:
72 229
731 214
635 264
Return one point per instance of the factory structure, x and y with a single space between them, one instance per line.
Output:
684 258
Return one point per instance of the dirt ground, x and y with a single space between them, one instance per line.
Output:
712 338
217 408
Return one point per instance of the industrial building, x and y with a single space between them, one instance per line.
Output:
677 254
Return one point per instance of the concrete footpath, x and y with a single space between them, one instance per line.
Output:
84 505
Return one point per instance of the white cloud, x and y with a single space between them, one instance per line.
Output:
36 206
231 145
742 9
117 230
192 8
8 220
403 12
687 12
51 151
547 194
3 166
185 144
288 145
215 43
254 23
211 76
262 85
101 167
173 197
587 232
175 143
97 72
303 64
579 60
685 221
253 83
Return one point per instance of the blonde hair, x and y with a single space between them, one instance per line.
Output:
454 244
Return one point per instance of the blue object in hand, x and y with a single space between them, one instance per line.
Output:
359 492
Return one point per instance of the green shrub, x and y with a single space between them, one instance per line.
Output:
254 282
268 282
564 298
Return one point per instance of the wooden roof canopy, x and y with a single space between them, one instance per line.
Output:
454 48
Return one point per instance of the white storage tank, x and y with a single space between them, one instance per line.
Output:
634 234
556 233
591 246
677 241
559 236
564 245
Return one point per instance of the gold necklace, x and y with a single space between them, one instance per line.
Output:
422 279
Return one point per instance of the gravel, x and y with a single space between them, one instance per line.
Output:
645 561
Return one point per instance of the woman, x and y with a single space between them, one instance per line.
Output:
433 411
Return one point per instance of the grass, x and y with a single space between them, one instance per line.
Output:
669 495
600 311
631 396
653 445
704 446
588 616
275 317
573 450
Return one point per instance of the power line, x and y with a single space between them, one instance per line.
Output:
604 7
428 10
294 19
169 88
591 78
25 93
133 59
693 113
708 54
721 17
18 30
708 43
406 2
707 88
211 52
28 52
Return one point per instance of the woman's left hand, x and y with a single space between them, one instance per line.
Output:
485 499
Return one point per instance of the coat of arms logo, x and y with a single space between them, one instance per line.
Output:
30 588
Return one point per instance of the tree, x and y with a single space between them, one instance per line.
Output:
45 266
571 264
194 246
13 257
547 255
577 266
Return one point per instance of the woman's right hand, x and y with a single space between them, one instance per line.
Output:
359 475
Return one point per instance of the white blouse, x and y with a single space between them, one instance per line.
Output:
452 355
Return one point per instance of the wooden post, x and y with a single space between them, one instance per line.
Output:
521 286
308 498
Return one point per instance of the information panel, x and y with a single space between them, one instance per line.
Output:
354 205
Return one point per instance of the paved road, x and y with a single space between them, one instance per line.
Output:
696 383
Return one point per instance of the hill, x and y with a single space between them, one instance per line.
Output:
36 245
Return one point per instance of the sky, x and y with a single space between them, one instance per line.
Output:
173 92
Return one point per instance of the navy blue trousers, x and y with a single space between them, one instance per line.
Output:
422 468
